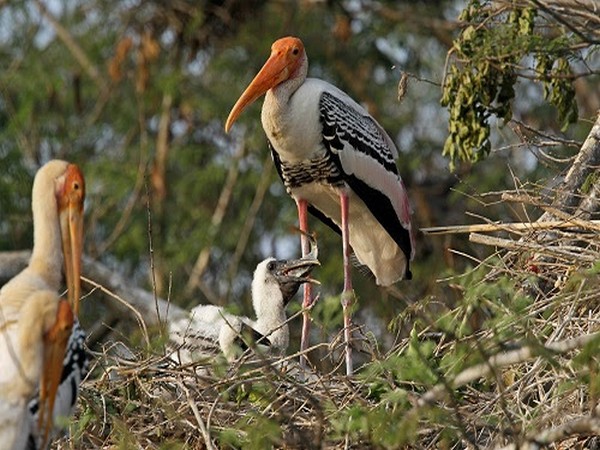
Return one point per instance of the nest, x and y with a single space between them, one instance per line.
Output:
513 364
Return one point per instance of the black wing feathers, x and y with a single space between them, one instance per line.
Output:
343 124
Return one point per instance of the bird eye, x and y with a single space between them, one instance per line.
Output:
295 51
271 266
76 186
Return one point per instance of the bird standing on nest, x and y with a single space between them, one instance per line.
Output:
338 164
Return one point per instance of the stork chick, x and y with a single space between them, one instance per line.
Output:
274 284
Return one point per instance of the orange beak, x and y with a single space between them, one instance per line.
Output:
70 204
285 58
55 345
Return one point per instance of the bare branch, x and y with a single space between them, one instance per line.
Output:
504 359
585 426
586 163
72 45
513 227
139 299
217 219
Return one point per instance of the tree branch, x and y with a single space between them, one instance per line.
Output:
586 426
139 299
77 52
504 359
586 163
216 219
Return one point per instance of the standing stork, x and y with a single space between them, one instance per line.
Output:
338 164
38 329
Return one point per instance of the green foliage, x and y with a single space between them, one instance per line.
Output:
481 77
384 424
412 366
254 431
558 87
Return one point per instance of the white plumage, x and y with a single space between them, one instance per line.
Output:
210 328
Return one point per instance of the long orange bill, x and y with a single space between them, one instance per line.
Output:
70 203
55 345
275 70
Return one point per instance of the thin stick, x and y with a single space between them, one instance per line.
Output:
504 359
512 227
194 408
564 251
124 302
585 426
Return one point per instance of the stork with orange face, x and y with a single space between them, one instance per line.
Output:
338 164
37 326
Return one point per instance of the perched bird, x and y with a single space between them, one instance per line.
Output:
338 164
36 325
209 327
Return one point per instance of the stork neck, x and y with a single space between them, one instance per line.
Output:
278 97
270 314
46 257
269 307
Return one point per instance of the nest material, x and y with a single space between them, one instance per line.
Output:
527 377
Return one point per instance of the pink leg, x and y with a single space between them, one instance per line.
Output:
347 294
307 301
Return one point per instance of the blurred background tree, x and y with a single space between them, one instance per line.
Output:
136 93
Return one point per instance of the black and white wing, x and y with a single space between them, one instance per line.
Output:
75 368
209 331
364 154
196 337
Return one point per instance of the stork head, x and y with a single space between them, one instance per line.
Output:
287 61
70 196
282 277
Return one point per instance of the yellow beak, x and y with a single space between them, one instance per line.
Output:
71 225
55 344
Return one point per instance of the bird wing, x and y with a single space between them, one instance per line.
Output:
250 336
197 336
364 154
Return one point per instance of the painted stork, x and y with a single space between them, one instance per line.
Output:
336 162
38 329
274 284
